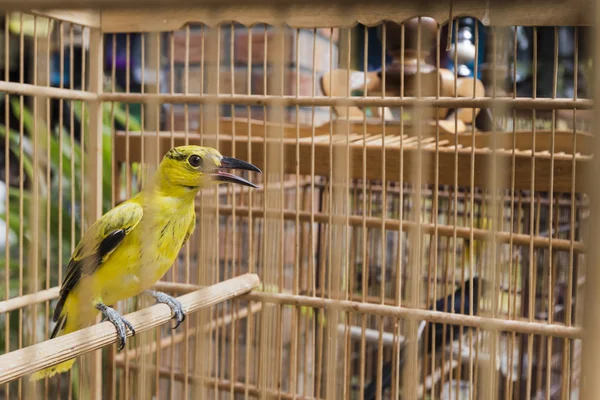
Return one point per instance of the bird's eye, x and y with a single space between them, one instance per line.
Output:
195 161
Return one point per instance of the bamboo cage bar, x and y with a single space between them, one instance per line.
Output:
403 312
445 102
426 228
591 324
26 89
33 358
222 384
51 294
255 391
363 220
29 299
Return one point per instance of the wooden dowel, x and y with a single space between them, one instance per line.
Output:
26 89
426 228
51 352
46 295
288 299
535 328
444 102
518 326
28 299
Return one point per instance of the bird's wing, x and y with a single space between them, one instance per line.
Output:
189 231
98 242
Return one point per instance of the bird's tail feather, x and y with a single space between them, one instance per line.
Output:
51 371
60 329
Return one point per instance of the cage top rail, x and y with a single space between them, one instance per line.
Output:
162 15
42 355
398 150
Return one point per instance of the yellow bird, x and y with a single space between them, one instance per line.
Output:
133 245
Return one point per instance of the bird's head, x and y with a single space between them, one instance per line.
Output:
193 167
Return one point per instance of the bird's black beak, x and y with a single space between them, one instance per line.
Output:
234 163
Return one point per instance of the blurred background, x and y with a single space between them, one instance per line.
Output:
543 62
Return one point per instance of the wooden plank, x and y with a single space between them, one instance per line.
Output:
89 18
163 15
258 127
563 165
563 139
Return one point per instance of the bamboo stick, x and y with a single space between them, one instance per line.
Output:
377 309
522 103
590 362
27 89
45 354
426 228
518 326
92 364
29 299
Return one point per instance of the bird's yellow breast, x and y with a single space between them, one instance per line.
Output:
144 256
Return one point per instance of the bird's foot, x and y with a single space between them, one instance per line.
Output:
172 302
120 323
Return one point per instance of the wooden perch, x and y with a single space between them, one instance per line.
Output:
51 352
519 325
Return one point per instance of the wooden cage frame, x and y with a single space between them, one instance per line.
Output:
564 161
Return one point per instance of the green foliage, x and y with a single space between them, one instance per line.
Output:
60 192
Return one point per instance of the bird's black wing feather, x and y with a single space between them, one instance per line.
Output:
87 266
99 241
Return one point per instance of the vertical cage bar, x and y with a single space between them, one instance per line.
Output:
94 170
21 188
7 259
590 386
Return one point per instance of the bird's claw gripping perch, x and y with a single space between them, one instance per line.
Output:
172 302
120 323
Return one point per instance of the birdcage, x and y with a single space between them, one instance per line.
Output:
420 229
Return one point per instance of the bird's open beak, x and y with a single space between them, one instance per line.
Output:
234 163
